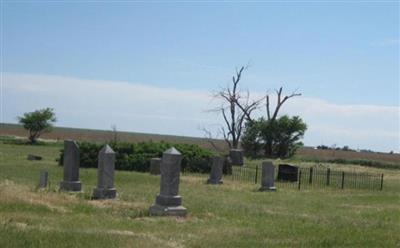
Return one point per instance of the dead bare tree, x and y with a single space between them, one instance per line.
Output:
272 118
235 110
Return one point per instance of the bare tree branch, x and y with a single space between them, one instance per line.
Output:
208 136
280 102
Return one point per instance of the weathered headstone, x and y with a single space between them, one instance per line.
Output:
216 170
32 157
287 172
268 176
71 167
155 164
105 174
227 166
43 179
236 156
168 202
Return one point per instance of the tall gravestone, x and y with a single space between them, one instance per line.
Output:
43 179
268 176
216 170
105 174
236 156
71 167
155 164
168 202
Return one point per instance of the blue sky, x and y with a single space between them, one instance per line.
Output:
344 54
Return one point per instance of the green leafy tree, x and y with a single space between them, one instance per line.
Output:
278 138
38 122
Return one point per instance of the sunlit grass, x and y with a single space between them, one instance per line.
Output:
233 214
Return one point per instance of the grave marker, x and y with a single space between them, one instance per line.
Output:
105 174
71 167
168 202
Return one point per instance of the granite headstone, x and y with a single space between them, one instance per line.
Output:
155 166
216 170
105 174
168 202
71 167
236 156
268 176
43 179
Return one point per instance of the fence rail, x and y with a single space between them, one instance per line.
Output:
312 177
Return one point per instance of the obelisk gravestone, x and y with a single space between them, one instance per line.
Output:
71 167
168 202
105 174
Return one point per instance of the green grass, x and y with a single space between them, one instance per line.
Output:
230 215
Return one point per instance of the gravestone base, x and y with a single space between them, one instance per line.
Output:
267 189
71 186
169 200
158 210
211 181
99 193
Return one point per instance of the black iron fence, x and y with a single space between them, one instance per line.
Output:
303 178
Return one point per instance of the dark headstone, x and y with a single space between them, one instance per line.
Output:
71 167
43 179
155 166
216 170
34 157
287 172
268 176
168 202
236 156
105 175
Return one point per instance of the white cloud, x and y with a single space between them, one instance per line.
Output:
386 42
141 108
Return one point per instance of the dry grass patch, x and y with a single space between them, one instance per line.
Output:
11 192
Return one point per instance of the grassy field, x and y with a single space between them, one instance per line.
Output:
230 215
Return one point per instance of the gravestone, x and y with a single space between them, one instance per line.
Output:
155 166
32 157
105 175
216 170
268 176
43 179
236 156
71 167
168 202
287 172
227 166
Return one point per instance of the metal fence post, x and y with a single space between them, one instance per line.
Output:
328 175
382 181
255 179
342 179
311 175
299 179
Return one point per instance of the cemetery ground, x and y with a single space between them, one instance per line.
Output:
233 214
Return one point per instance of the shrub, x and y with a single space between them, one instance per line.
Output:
136 156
